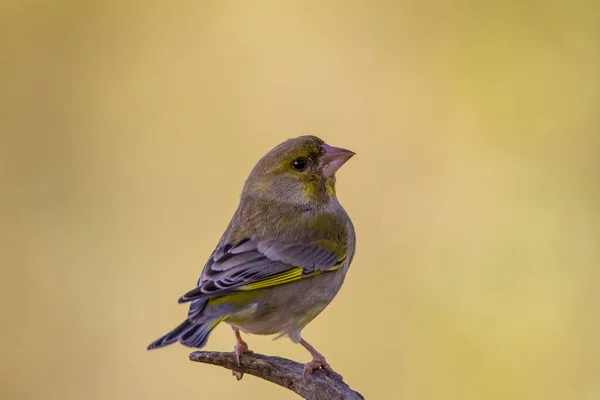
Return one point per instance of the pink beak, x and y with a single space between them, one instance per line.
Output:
334 158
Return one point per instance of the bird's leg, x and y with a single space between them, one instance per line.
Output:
317 362
240 348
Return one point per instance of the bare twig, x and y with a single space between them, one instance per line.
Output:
289 374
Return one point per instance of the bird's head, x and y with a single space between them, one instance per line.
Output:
298 171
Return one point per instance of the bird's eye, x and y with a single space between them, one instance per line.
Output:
300 164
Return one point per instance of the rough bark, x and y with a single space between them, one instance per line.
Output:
281 371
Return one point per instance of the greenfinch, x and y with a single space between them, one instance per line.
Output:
283 257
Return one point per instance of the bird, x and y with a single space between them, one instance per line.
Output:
283 257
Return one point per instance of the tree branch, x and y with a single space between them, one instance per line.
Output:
287 373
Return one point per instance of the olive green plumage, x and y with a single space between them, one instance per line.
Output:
285 253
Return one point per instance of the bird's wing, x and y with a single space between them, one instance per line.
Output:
249 265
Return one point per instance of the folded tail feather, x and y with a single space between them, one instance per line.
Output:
188 333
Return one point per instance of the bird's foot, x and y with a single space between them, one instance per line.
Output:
319 362
240 348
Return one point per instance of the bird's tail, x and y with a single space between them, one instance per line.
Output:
188 333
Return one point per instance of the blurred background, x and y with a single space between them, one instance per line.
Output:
128 129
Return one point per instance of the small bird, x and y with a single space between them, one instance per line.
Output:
283 257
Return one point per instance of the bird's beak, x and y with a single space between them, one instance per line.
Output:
333 159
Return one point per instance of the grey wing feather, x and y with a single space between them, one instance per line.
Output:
232 266
309 256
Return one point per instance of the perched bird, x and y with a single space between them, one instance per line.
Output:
283 257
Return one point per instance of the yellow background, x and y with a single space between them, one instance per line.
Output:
128 129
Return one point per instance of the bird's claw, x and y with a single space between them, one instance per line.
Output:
240 348
320 363
238 375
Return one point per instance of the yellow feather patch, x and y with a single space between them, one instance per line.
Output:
285 277
235 298
216 322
